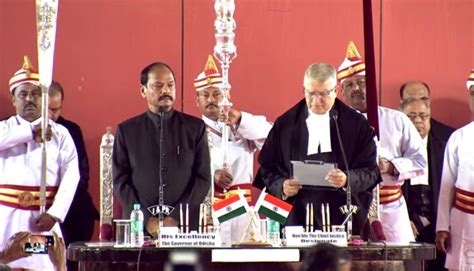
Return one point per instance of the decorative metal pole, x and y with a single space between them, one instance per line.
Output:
372 105
46 19
106 186
225 51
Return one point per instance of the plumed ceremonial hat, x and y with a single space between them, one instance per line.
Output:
210 77
27 74
352 64
470 80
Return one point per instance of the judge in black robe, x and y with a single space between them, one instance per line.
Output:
185 158
288 141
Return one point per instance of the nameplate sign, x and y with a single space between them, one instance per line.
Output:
317 237
192 239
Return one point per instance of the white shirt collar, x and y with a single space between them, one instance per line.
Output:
319 133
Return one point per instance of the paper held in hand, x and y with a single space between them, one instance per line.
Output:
312 173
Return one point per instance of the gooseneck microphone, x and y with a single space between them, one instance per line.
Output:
334 115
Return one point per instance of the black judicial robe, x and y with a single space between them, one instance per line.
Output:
185 163
80 219
288 140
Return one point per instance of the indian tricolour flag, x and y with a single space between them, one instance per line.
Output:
229 208
273 207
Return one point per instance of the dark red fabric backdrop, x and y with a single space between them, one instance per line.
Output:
102 45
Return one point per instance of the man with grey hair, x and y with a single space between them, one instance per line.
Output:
308 131
422 192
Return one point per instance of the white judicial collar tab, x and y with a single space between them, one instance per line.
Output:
165 209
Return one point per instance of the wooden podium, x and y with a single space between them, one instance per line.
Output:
105 257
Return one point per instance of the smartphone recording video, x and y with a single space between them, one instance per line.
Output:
39 244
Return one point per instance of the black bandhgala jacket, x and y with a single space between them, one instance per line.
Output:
185 163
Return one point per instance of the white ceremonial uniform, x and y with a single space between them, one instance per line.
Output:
458 173
244 141
401 144
20 165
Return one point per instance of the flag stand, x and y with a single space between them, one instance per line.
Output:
250 229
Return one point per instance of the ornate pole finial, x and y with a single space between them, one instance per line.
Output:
46 19
225 51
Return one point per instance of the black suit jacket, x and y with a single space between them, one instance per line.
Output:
437 139
79 222
288 140
185 163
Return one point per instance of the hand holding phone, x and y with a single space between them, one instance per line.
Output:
13 250
57 253
38 244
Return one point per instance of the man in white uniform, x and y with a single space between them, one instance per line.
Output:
20 168
455 224
247 134
400 150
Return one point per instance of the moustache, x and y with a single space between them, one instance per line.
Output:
165 97
358 94
30 104
211 105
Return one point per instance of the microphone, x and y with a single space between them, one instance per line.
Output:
378 230
334 114
161 109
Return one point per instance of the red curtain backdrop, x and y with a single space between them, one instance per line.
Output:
102 45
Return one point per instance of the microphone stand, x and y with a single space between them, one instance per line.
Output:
348 188
160 177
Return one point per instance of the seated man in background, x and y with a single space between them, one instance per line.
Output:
79 222
422 192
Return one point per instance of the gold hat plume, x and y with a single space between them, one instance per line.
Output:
27 63
211 67
352 53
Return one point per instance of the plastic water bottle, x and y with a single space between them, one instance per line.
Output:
136 227
273 232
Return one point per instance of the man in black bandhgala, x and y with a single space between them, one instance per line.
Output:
184 158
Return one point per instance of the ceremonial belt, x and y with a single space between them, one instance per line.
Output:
390 194
245 189
25 197
464 200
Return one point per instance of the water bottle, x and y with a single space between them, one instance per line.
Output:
273 232
136 227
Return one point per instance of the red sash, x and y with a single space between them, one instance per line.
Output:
25 197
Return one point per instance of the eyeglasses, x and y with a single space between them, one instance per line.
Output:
413 116
315 94
25 94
